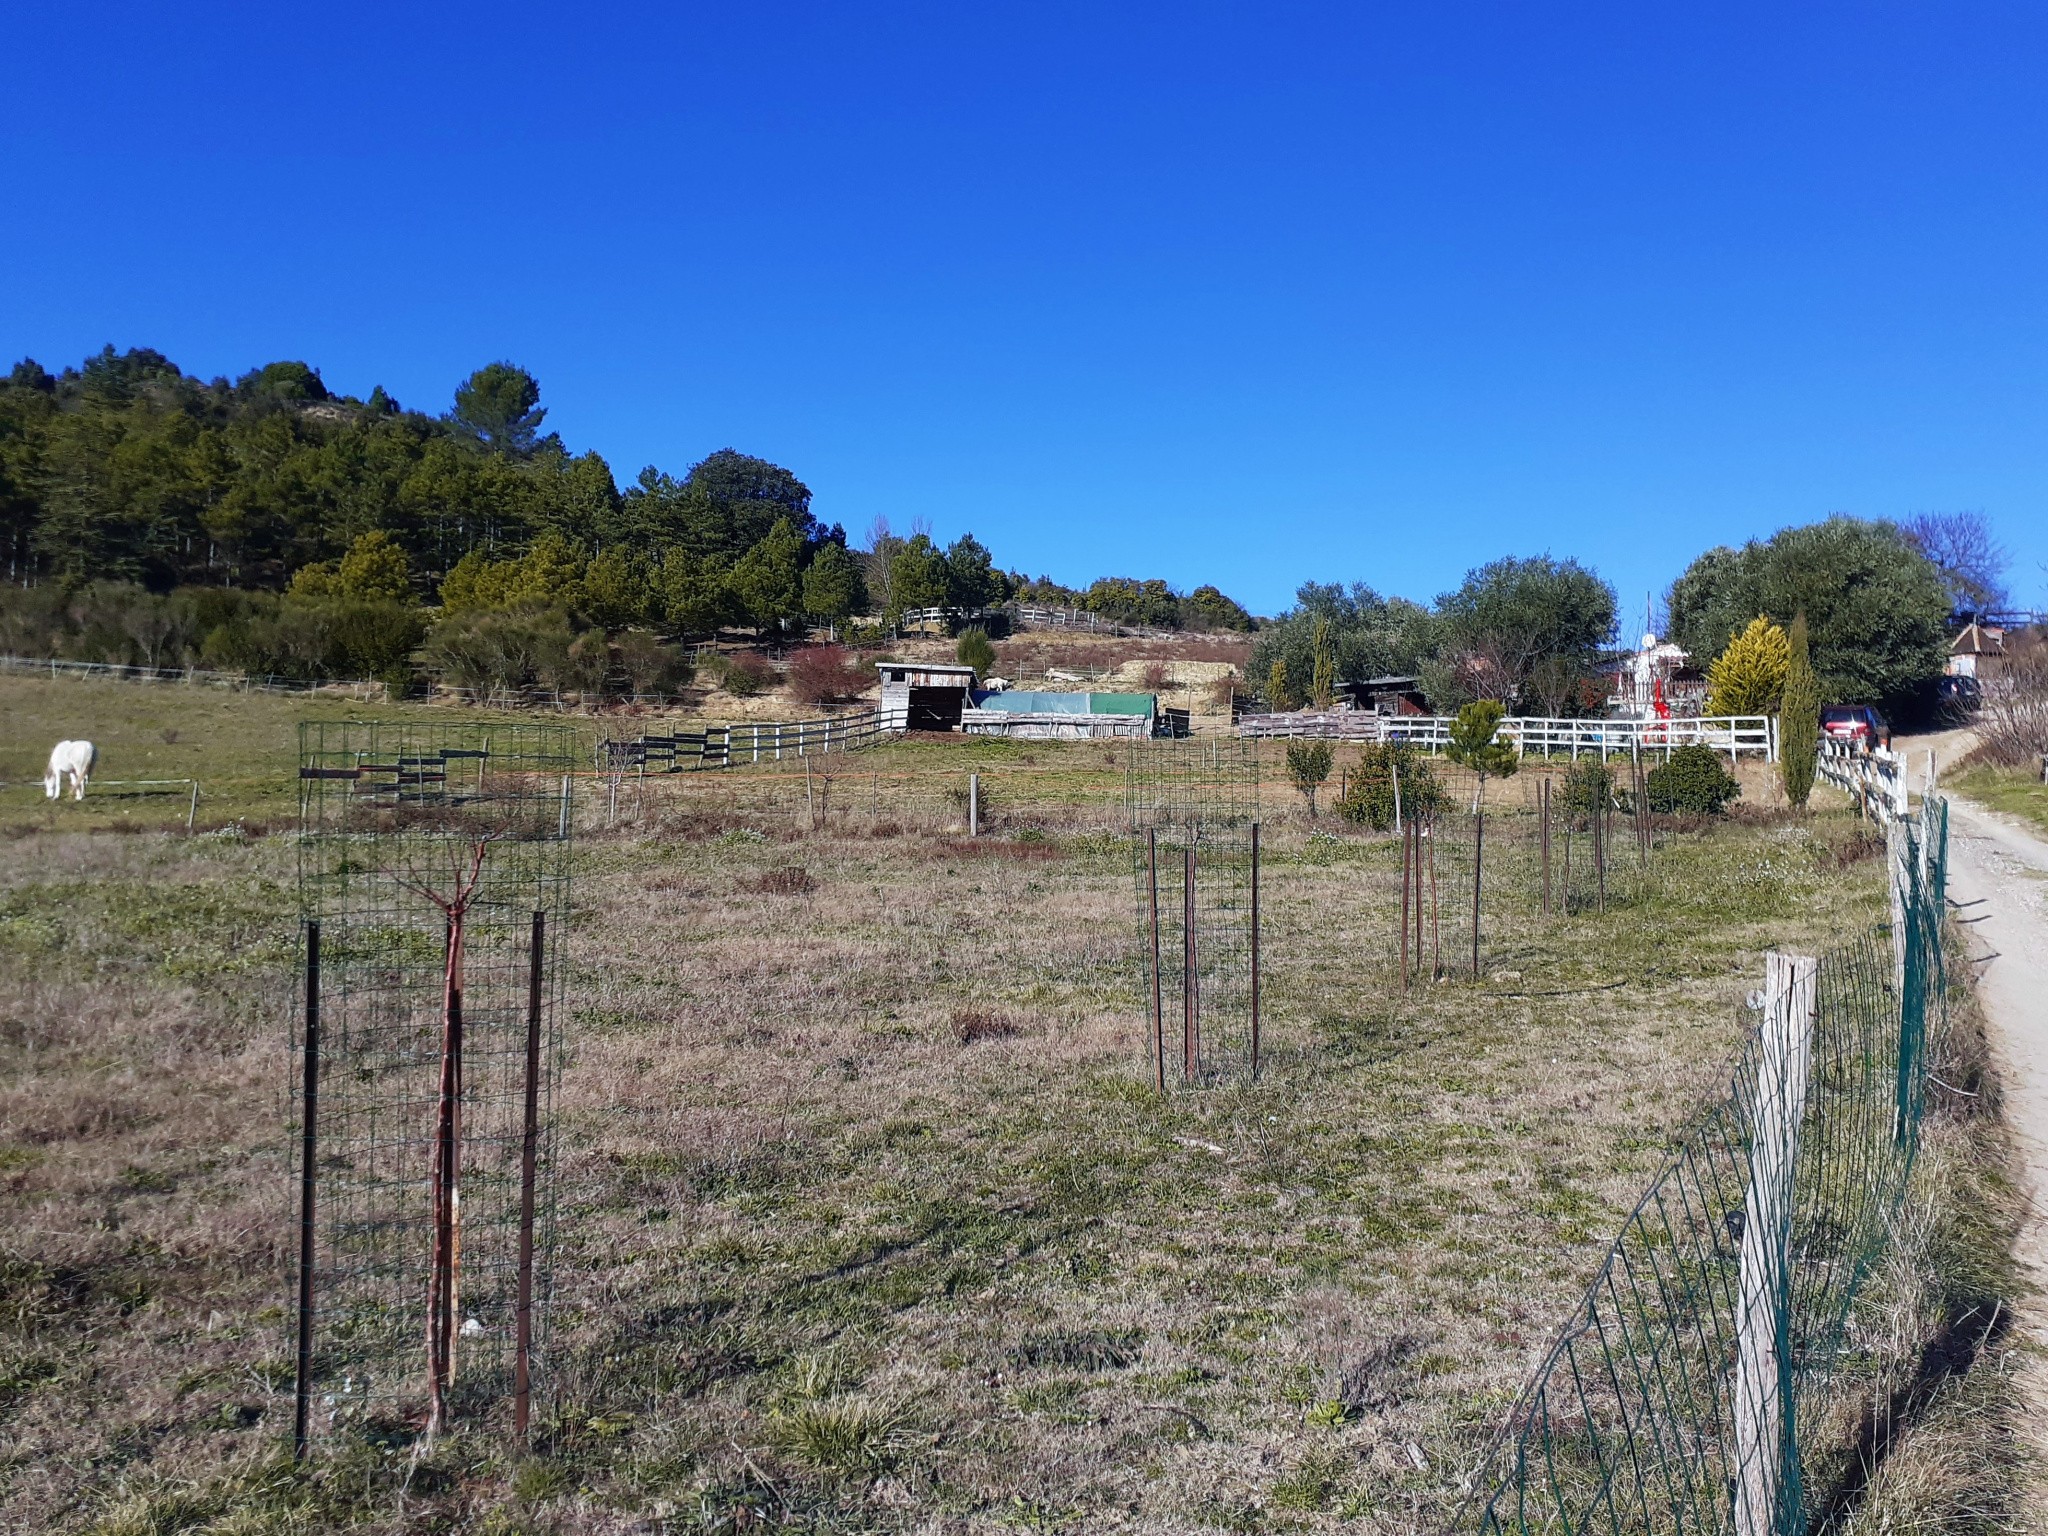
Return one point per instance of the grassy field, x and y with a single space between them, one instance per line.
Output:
824 1263
2018 792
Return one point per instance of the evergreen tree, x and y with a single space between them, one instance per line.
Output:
1749 677
1798 717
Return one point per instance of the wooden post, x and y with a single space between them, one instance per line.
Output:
192 810
1543 802
529 1147
562 828
1600 852
1762 1406
1255 951
1190 1040
974 805
309 1146
1158 1002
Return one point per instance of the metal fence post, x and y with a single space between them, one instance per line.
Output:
1158 1002
529 1146
1189 981
974 805
1255 950
309 1146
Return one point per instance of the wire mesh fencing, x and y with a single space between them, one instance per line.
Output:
1192 814
1690 1391
434 883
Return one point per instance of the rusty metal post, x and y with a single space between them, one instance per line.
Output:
309 1146
1478 870
1255 950
529 1149
1190 1040
1407 880
1158 1005
1600 852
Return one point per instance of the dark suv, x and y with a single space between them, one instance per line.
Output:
1958 695
1855 723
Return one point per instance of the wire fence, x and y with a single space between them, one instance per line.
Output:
434 879
1695 1388
1192 811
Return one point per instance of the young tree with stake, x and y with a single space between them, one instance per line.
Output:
1475 744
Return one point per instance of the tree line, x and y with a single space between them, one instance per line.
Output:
270 525
149 515
1879 600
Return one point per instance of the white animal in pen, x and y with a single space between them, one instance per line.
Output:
71 760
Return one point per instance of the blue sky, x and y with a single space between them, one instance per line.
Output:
1236 293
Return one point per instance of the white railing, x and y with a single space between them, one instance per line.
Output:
1534 735
1876 779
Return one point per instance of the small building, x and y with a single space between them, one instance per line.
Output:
1979 651
1036 716
916 697
1392 695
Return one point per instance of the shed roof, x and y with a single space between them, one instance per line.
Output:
1026 701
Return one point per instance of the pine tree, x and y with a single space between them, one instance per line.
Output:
1277 696
1749 677
1798 718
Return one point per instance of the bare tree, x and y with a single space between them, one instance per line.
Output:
1968 555
444 1273
2012 725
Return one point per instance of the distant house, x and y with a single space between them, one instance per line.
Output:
916 697
1979 651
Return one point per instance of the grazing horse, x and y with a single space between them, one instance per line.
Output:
71 760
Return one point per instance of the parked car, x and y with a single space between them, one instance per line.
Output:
1958 695
1855 723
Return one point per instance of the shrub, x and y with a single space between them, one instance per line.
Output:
821 674
784 880
1588 787
496 649
582 665
651 664
974 650
2013 722
1308 765
1154 676
1693 780
745 675
1369 795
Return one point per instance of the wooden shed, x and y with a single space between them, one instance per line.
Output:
917 697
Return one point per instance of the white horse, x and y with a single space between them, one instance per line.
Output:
71 760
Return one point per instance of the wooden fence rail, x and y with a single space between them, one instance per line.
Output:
720 746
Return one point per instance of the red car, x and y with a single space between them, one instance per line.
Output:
1857 723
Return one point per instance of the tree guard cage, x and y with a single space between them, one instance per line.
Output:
434 885
1192 811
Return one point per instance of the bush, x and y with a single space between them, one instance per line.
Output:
821 674
974 650
1588 787
1368 798
653 665
496 649
1693 780
745 675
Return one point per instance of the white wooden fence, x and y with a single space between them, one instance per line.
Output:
1875 779
1536 736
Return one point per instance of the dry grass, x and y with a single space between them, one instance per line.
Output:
821 1261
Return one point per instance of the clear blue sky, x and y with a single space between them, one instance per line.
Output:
1248 293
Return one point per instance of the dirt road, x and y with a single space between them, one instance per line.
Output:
1998 882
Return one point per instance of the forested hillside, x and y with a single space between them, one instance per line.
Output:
127 469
